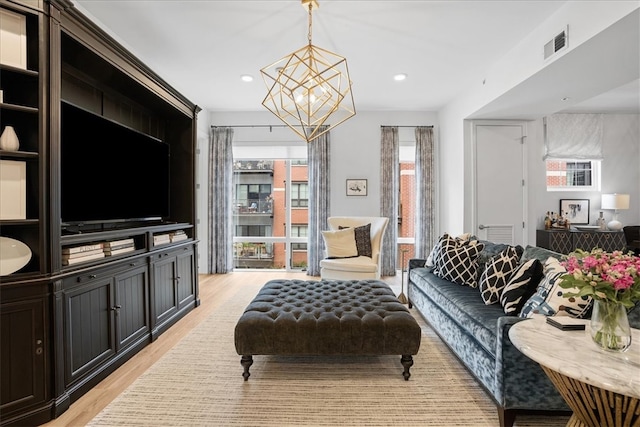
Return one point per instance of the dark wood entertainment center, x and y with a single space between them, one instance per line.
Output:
66 326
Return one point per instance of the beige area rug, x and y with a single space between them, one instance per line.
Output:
199 383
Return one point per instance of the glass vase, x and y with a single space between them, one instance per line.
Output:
610 326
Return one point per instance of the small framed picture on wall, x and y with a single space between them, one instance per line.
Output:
356 187
575 210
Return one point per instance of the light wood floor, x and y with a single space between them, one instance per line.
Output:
214 291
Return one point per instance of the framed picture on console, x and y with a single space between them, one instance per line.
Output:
356 187
575 210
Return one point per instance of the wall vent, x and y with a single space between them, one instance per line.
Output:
556 44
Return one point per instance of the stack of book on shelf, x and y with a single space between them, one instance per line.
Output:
75 254
117 247
161 239
179 235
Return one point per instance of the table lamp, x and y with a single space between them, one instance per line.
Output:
616 202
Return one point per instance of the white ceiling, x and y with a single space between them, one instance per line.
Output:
202 47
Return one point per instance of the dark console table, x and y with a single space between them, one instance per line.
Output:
566 241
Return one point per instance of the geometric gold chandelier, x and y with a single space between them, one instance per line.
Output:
309 87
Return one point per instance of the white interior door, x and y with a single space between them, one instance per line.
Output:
500 185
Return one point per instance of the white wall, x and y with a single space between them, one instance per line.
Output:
355 153
356 143
585 20
620 173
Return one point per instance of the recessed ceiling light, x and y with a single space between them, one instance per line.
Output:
246 78
399 77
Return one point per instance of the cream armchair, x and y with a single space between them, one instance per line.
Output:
357 267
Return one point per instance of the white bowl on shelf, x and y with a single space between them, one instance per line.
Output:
587 227
13 255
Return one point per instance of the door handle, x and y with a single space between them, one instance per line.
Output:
482 227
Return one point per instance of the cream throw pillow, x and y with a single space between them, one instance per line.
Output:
340 243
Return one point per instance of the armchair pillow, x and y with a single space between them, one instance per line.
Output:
363 239
340 243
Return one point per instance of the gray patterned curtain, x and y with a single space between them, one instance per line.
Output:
319 195
220 200
389 187
425 192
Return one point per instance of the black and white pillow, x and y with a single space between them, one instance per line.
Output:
435 251
522 284
496 274
549 299
458 262
363 239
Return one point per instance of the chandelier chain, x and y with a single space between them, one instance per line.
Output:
310 23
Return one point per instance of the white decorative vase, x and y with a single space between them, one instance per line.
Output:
9 140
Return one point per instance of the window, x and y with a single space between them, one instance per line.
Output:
299 230
573 175
253 230
269 234
256 197
299 195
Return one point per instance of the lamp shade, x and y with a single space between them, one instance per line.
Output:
615 201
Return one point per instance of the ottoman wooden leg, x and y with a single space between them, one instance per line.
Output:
407 362
246 361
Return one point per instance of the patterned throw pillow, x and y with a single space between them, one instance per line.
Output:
435 252
458 262
548 299
522 284
363 239
496 274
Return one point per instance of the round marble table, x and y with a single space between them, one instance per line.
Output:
602 388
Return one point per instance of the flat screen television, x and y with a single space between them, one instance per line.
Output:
109 172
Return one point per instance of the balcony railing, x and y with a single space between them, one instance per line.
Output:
253 165
249 206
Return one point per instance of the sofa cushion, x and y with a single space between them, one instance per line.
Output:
458 262
549 299
541 254
340 243
361 264
496 274
363 239
463 304
521 285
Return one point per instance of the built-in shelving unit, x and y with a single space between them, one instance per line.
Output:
21 106
133 287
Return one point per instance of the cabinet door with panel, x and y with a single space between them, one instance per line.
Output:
106 311
89 335
23 358
174 285
165 288
132 306
185 260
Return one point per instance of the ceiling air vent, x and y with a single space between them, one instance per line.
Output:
556 44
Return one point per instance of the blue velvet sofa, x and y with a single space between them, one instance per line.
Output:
478 334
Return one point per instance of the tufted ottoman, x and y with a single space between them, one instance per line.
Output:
297 317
